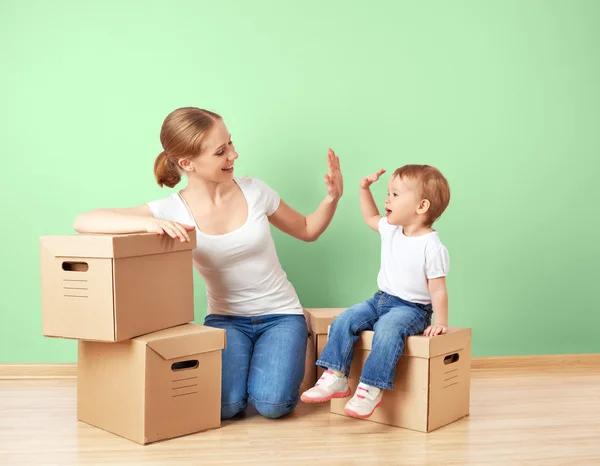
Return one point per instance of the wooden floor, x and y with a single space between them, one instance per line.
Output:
517 417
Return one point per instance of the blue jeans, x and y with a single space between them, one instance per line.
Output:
393 320
263 363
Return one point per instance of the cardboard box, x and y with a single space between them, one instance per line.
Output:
115 287
310 370
432 383
153 387
318 321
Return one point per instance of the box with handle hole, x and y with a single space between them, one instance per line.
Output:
318 321
115 287
432 382
154 387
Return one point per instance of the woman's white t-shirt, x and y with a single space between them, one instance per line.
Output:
241 269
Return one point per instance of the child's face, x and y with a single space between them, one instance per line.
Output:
402 203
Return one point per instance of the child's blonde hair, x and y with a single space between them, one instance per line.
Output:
431 185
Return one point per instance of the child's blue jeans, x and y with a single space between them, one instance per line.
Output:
393 320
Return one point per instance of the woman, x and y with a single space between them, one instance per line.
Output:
249 294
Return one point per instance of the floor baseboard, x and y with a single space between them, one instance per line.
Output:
69 370
549 361
31 371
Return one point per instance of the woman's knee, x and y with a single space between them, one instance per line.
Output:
229 410
273 410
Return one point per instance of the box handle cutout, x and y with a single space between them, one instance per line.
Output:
451 358
75 266
183 365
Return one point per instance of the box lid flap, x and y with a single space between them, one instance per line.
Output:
114 246
319 319
184 340
421 346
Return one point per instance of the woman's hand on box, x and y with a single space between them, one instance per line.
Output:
173 229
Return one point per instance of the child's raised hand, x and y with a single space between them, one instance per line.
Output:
434 330
369 180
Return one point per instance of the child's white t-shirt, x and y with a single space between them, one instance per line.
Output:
241 269
408 261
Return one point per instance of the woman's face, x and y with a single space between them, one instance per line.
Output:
215 162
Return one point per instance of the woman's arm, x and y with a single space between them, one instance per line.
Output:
129 220
310 227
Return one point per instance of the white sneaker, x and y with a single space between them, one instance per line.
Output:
327 387
364 401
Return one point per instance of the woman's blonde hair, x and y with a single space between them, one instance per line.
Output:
181 137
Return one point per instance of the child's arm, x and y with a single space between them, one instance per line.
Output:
368 207
439 302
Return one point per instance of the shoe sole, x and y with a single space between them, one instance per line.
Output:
307 399
351 413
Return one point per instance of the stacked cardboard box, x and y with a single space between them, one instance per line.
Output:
144 371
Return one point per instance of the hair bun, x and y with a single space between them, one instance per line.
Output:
166 171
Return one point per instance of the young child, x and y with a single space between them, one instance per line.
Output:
411 282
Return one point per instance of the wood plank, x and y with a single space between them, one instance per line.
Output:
537 418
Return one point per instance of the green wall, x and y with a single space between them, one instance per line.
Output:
502 96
